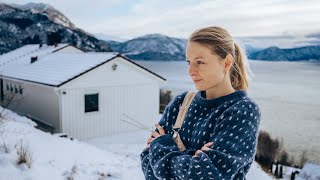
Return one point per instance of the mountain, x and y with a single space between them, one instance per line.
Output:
40 23
53 14
293 41
152 47
35 23
291 54
106 37
160 47
285 48
314 35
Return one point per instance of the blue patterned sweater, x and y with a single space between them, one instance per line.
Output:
230 121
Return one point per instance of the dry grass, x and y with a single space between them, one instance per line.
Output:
72 173
4 148
24 154
103 175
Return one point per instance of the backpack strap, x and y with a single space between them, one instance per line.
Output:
181 116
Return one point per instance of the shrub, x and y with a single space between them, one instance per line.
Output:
165 98
269 150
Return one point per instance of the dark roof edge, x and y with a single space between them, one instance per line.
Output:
66 47
129 60
117 55
35 82
86 71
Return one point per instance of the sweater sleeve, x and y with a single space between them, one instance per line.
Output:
165 123
234 138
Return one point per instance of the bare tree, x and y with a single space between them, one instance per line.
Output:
280 150
9 99
303 158
268 149
284 158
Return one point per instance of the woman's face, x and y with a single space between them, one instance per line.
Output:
205 69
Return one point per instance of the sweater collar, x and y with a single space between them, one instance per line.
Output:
201 98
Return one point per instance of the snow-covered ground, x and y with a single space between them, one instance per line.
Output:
54 158
309 171
287 93
286 170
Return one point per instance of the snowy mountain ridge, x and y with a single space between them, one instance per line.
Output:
161 47
35 23
152 47
52 13
290 54
41 23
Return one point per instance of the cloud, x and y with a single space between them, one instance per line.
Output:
241 18
128 19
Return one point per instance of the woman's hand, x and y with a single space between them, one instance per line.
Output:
155 134
204 148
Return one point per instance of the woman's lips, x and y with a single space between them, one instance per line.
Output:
195 81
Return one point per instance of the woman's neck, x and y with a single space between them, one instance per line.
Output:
219 91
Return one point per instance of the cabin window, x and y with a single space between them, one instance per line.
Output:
16 89
20 90
91 102
8 87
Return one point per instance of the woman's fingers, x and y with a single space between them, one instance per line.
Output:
150 139
155 134
160 128
208 144
204 148
197 152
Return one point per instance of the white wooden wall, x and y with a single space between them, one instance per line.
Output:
115 104
37 100
128 90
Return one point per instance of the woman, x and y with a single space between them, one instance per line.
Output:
221 126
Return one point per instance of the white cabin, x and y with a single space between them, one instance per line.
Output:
81 94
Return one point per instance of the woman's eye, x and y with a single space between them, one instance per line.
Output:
200 62
188 62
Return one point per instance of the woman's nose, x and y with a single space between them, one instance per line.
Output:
193 69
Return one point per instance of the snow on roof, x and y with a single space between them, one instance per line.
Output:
22 55
57 68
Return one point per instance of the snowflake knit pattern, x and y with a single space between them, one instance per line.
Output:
231 122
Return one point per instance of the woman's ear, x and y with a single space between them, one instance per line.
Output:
228 62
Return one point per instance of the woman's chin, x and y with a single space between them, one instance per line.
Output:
199 88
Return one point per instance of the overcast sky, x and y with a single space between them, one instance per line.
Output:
129 18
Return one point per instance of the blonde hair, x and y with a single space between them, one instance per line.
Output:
221 43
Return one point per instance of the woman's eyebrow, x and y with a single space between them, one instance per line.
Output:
195 57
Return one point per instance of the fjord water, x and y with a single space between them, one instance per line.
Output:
288 94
